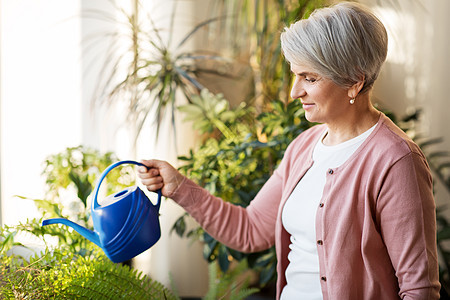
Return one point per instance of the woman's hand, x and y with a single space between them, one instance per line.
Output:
160 175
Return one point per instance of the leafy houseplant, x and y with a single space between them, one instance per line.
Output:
70 177
151 70
228 163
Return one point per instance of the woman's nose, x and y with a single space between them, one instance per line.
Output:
297 90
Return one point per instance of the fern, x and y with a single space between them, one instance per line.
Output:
63 275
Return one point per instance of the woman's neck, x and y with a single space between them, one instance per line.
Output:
361 117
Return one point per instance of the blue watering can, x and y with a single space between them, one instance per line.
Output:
125 225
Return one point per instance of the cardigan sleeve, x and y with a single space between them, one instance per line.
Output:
406 214
248 229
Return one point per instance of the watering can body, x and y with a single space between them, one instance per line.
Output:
125 225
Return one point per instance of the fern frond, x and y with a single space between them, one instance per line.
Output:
62 275
244 293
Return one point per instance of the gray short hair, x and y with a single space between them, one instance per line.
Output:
344 43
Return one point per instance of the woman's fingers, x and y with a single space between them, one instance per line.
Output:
155 186
152 180
143 172
160 174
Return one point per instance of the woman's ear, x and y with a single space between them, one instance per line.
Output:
354 90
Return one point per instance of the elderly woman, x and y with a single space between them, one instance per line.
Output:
350 208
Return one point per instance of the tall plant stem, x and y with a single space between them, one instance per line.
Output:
135 45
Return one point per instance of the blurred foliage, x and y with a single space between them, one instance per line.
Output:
70 178
228 163
152 68
145 67
233 285
80 167
250 33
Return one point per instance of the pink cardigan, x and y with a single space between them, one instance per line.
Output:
375 226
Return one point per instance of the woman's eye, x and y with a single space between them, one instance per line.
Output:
310 79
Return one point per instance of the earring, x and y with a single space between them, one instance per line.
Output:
352 100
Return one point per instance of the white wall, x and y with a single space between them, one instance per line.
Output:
40 94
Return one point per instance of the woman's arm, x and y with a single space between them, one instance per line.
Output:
248 229
406 215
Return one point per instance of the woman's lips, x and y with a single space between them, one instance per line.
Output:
307 106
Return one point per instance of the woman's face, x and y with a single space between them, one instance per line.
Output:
322 99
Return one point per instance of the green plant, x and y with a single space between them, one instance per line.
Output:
224 285
80 167
228 163
149 72
70 178
250 33
60 274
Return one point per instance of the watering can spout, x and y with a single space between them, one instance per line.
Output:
89 234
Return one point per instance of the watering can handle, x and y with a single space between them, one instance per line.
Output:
97 188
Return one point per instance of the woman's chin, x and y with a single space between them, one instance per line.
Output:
310 117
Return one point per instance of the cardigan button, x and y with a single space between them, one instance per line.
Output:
321 205
323 278
330 171
319 242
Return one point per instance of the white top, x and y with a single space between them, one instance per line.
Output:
299 214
